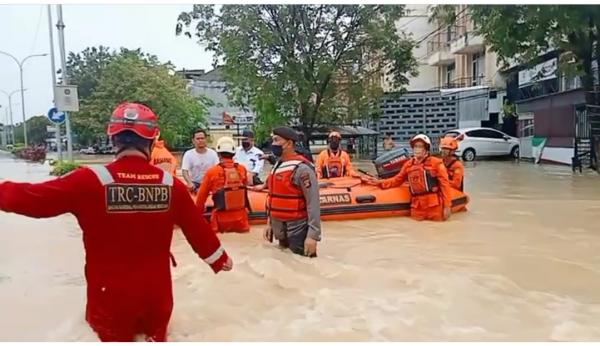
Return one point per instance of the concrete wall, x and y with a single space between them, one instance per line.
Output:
416 112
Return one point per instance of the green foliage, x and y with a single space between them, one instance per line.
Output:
131 75
64 167
36 130
314 64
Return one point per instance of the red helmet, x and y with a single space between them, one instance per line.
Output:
133 117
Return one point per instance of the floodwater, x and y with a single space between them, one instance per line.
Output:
522 264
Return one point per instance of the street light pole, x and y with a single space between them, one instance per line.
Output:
12 124
20 64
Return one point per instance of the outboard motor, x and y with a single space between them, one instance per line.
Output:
390 163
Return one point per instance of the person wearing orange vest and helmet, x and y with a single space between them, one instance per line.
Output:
334 162
455 168
428 182
227 183
293 203
127 210
162 157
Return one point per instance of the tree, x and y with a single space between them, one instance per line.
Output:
524 32
131 75
316 64
36 130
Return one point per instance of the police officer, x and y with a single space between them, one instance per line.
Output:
127 210
293 201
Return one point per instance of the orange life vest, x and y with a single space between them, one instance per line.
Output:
451 173
232 196
421 178
334 166
286 201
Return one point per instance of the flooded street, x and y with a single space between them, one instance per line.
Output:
522 264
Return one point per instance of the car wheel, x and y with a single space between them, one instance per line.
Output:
469 154
514 153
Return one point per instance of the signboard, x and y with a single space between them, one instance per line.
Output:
55 116
543 71
67 98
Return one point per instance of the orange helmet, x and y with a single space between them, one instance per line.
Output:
423 138
449 143
135 117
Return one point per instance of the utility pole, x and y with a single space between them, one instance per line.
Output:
60 25
58 136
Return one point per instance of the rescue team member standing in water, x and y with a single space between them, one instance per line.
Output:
455 168
334 162
227 183
293 203
163 158
127 211
428 181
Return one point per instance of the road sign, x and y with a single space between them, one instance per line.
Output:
67 98
55 116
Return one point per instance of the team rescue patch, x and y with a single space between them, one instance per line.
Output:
137 197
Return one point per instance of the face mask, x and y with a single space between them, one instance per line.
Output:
334 145
277 150
246 145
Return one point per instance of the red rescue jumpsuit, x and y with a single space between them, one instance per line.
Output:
127 211
235 217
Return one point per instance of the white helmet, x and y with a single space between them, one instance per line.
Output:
421 137
226 145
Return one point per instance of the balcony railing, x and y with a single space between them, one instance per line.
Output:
465 82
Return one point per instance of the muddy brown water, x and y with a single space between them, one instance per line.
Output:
522 264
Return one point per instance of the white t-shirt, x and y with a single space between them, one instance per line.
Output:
250 159
197 164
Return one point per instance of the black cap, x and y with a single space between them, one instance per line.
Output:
248 133
287 133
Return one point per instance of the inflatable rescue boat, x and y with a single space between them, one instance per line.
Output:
350 199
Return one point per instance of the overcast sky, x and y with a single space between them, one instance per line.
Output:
24 31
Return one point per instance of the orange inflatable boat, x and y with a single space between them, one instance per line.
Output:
349 198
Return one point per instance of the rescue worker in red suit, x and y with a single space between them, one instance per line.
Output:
428 182
227 183
293 204
127 210
334 162
455 168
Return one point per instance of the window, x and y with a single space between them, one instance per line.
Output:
452 133
493 134
450 73
485 134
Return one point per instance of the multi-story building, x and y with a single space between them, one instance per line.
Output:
458 84
212 85
467 68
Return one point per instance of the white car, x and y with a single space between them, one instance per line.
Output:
484 141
